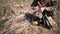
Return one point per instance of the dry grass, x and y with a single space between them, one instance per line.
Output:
10 13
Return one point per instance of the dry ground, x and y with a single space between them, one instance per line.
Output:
11 14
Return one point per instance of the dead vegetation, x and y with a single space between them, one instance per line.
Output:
12 18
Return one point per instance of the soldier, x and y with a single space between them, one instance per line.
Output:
42 9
